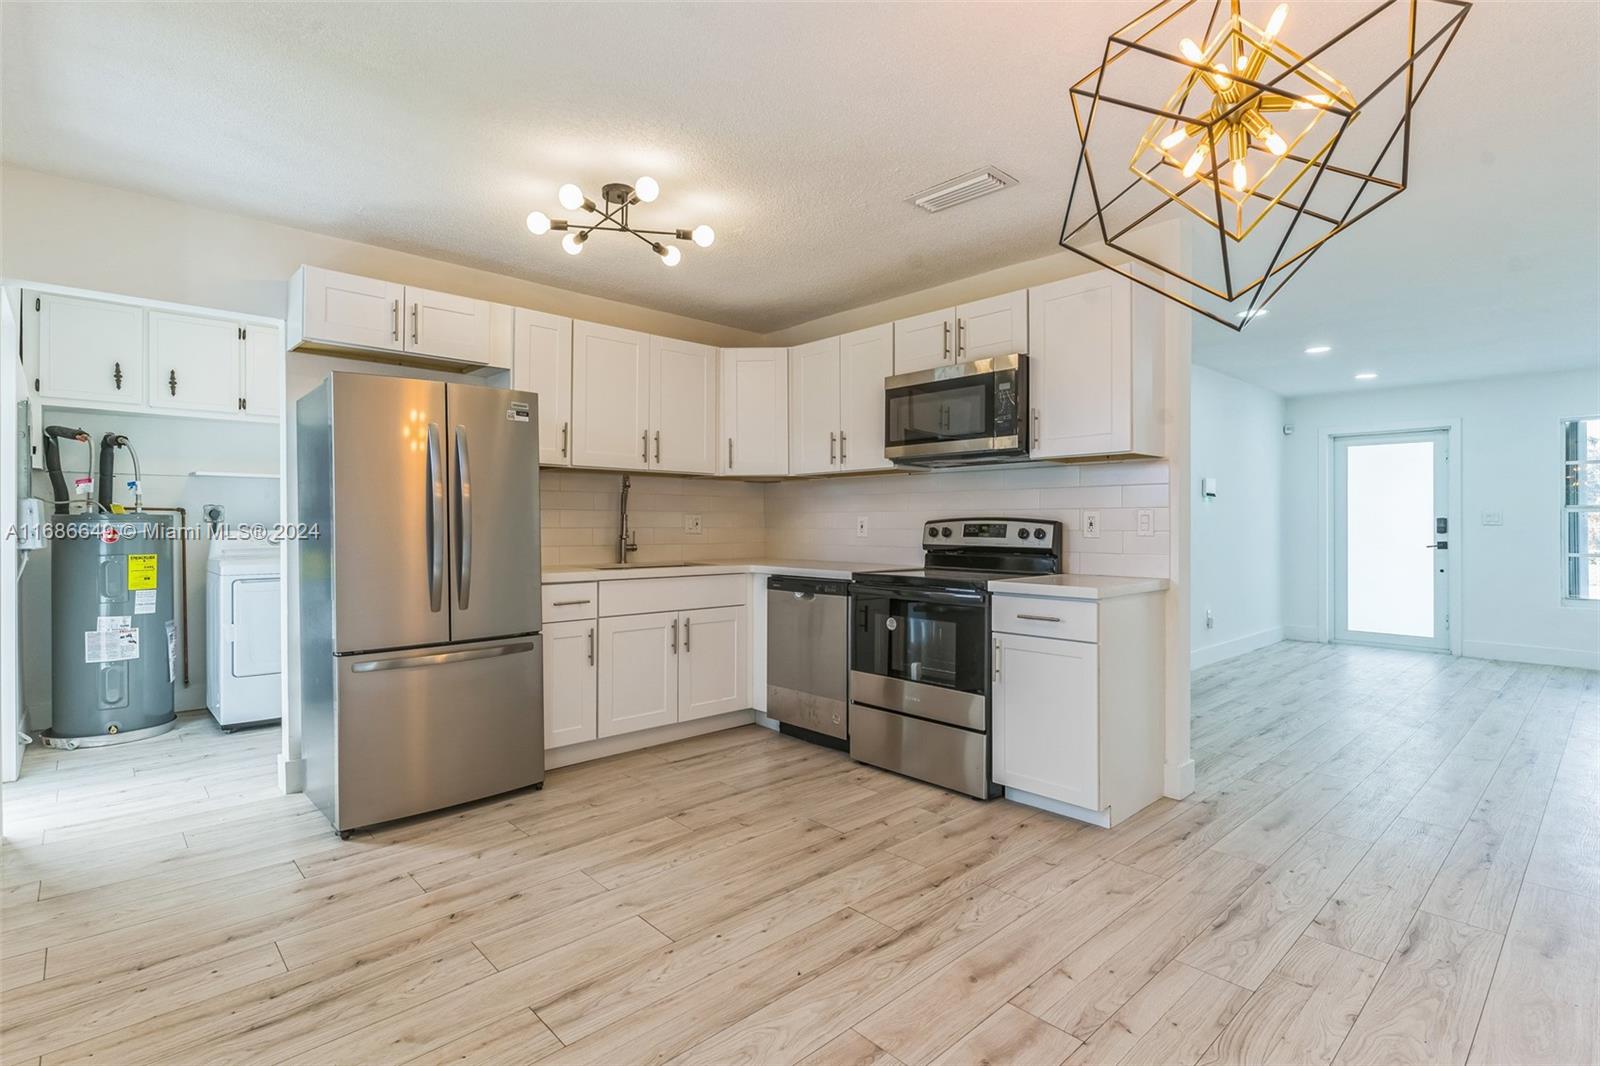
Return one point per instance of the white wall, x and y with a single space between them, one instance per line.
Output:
1510 461
1236 434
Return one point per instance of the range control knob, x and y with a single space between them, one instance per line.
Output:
1022 534
945 531
1041 534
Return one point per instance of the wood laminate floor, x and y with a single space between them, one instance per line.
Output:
1390 857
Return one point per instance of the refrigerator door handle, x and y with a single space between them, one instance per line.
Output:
435 519
414 661
463 520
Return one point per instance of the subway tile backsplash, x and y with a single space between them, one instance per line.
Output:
816 519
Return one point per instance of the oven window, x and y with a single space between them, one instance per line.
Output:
959 409
929 643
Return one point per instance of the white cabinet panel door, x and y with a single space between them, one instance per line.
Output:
1080 370
683 407
925 341
90 350
541 362
996 326
866 357
263 370
1046 718
814 407
194 362
755 412
445 326
610 397
349 309
714 668
638 672
570 680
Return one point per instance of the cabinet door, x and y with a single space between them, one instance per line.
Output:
996 326
442 325
610 397
570 679
349 309
541 362
814 407
90 350
194 362
263 370
1046 718
924 342
714 667
683 407
638 672
866 357
1080 369
755 411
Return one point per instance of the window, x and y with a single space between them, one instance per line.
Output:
1581 514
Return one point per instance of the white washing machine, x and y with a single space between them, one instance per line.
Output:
244 667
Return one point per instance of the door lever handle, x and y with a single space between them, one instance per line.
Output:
1438 545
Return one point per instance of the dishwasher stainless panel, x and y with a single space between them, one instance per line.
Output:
808 654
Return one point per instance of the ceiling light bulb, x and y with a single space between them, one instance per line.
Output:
703 236
1314 100
1173 139
571 196
646 190
1191 51
538 223
671 256
1222 74
1193 165
1276 144
1242 62
1319 349
1275 23
1241 176
1366 375
573 242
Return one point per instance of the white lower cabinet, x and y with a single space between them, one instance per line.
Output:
638 672
570 677
1046 718
713 667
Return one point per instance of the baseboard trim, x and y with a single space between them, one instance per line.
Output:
1531 653
291 775
1055 806
589 750
1229 649
1308 633
1178 780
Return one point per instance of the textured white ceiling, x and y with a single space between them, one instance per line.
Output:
797 131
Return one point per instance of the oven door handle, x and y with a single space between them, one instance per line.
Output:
923 595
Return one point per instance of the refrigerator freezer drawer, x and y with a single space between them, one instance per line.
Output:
421 730
942 755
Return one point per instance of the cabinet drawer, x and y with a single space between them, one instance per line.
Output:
1040 617
567 603
644 595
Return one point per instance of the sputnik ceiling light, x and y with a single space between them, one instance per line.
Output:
618 197
1245 144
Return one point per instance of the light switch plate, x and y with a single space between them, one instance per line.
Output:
1147 523
1494 518
861 525
692 524
1091 524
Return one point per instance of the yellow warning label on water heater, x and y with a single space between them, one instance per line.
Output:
141 572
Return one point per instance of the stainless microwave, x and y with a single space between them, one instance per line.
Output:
973 412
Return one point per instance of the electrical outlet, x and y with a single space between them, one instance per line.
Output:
1210 622
692 524
1494 518
861 525
1091 524
1147 523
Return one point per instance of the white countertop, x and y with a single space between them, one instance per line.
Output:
1078 586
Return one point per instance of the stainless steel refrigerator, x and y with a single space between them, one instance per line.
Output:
420 668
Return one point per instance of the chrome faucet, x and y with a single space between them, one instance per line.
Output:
625 538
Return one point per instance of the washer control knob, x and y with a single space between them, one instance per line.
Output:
1041 534
946 532
933 531
1022 534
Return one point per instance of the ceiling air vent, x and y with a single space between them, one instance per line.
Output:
960 190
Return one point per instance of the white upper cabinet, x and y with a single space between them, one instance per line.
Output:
263 373
541 362
866 357
195 363
330 308
444 326
924 342
86 349
755 412
683 407
996 326
814 407
610 397
1097 346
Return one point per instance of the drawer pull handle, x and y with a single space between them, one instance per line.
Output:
1038 618
570 603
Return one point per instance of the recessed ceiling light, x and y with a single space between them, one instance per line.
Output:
1319 349
1253 312
1365 375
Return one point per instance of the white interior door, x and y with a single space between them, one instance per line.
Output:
1391 539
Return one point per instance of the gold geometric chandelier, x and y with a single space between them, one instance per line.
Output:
1255 143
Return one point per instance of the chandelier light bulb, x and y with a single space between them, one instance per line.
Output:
1173 139
538 223
573 242
703 236
1241 175
671 256
1275 23
1190 50
1276 144
646 189
571 197
1193 165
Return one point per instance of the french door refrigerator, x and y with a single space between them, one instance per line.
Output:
420 672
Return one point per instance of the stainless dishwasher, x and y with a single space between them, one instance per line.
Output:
808 658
